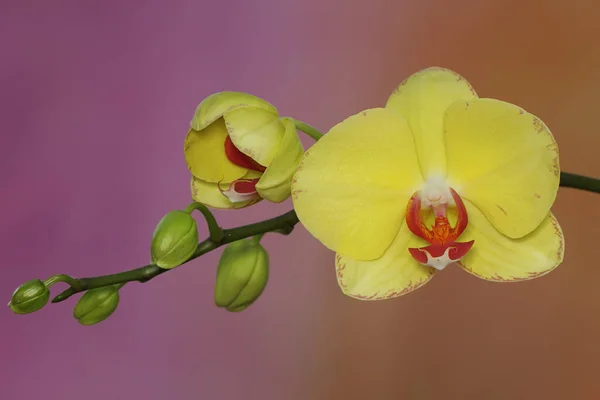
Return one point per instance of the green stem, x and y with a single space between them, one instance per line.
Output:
579 182
283 224
62 278
214 230
308 129
256 239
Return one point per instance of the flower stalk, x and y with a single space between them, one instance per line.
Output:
283 224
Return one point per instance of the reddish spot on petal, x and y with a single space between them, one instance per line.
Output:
238 158
538 125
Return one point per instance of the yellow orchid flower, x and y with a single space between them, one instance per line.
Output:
239 151
438 176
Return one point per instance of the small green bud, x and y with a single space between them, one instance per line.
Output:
96 305
242 274
174 240
29 297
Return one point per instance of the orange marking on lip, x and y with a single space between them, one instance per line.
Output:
441 232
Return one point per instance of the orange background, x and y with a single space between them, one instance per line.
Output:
460 337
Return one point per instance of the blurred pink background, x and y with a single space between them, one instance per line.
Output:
95 101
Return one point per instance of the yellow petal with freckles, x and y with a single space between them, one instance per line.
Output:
275 183
215 105
395 274
422 100
504 160
351 188
209 194
255 132
205 155
495 257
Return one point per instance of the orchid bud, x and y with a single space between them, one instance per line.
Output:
29 297
242 274
96 305
175 239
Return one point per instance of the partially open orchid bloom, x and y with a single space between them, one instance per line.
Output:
438 176
239 151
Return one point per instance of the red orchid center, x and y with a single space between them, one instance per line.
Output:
240 159
443 248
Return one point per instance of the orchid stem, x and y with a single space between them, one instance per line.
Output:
308 129
283 224
61 278
214 230
579 182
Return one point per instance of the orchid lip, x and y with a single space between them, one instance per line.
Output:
241 190
443 249
439 257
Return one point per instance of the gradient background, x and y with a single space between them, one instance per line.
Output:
95 101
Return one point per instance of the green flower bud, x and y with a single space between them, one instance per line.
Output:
242 274
96 305
29 297
174 240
